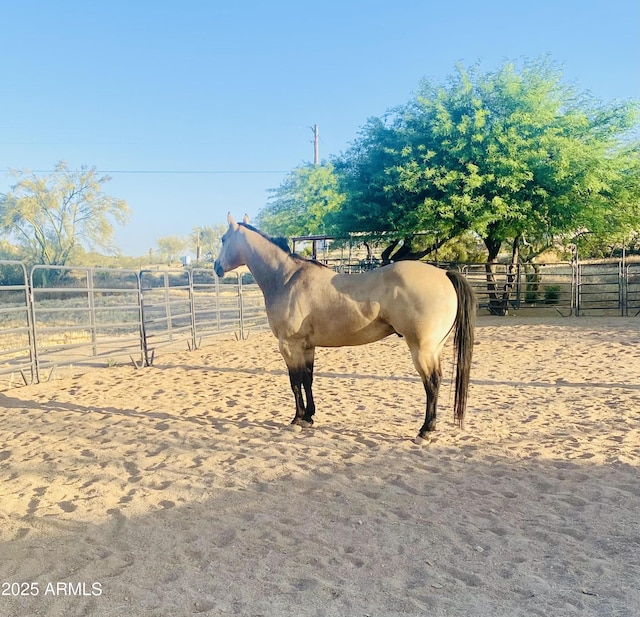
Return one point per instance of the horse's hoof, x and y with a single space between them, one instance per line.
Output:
306 423
429 428
421 440
295 425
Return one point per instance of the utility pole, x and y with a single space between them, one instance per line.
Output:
316 140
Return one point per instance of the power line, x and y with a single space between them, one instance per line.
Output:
166 171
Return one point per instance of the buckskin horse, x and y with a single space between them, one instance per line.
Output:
309 305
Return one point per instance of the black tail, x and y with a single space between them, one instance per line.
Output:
463 341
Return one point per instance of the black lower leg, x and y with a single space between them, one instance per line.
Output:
432 388
300 366
307 382
296 378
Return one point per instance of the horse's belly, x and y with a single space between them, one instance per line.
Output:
343 334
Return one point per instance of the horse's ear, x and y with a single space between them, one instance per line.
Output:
245 219
231 222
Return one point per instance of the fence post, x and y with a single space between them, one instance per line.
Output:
578 273
32 310
192 309
17 281
623 287
92 311
218 309
144 347
241 306
35 375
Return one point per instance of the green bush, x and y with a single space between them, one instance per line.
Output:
552 294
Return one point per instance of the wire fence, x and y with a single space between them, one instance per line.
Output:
54 316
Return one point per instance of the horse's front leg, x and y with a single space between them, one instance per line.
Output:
296 379
299 360
307 383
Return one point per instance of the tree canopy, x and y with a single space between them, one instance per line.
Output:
514 155
208 239
171 247
303 202
52 216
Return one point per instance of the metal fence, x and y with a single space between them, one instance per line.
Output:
60 316
17 338
632 289
585 288
81 315
500 288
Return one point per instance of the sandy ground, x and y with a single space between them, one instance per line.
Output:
180 490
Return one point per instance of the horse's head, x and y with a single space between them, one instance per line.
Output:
231 254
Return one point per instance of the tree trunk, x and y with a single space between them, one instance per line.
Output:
497 303
493 246
386 254
405 252
512 274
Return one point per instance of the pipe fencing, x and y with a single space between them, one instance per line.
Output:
569 288
64 315
632 289
17 338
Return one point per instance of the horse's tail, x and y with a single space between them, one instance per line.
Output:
463 341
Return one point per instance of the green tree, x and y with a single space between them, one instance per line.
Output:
209 240
512 155
50 217
170 248
303 201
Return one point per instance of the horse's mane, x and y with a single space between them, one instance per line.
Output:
283 244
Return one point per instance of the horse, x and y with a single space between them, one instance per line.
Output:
310 305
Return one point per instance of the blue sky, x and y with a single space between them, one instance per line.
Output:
231 89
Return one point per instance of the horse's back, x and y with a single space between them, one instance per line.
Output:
420 301
415 272
403 280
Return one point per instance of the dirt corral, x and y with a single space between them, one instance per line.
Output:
180 489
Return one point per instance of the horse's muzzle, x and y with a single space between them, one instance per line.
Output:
218 269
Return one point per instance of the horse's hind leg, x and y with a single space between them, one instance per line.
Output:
432 388
428 366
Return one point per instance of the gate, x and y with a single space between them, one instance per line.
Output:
17 352
167 310
600 289
548 286
632 290
185 306
253 313
217 303
214 310
493 285
501 287
81 314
